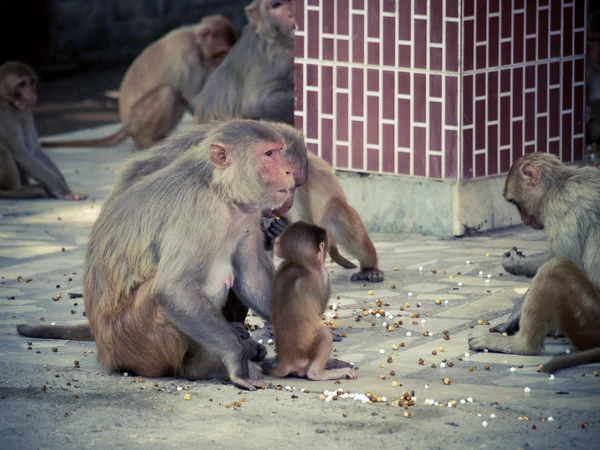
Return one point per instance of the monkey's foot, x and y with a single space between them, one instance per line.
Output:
249 385
336 364
494 343
508 327
513 260
374 275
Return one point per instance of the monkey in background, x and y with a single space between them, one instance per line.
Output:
565 292
160 84
301 289
592 77
21 157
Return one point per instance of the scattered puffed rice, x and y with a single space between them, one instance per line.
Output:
382 351
467 355
442 365
187 396
408 333
426 386
459 284
551 377
468 262
438 301
378 315
410 294
487 281
513 369
485 350
481 272
420 268
527 390
422 320
260 341
470 399
125 374
492 416
484 424
53 323
567 351
371 293
270 342
489 275
179 388
334 306
394 347
463 401
550 419
446 302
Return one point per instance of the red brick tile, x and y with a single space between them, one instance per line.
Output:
505 85
505 121
328 17
389 94
373 53
389 41
341 152
578 144
299 16
435 126
505 161
404 163
518 38
419 152
299 47
492 149
480 165
542 90
373 160
468 8
481 56
580 13
506 16
389 5
435 166
326 89
530 11
567 84
436 19
299 122
404 83
357 92
358 4
373 120
529 77
451 154
578 108
506 53
543 34
481 22
451 100
480 84
468 42
530 49
567 147
452 8
530 116
342 77
357 145
342 117
404 56
517 139
542 134
420 42
435 86
328 49
494 6
313 2
358 38
467 115
404 20
343 53
494 42
299 86
555 49
388 147
327 140
530 148
404 124
421 8
554 112
312 75
567 31
451 47
312 115
343 14
554 148
492 96
579 43
517 92
373 19
372 80
420 96
554 73
313 36
467 154
435 58
480 125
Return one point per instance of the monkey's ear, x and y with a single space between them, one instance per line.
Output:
321 253
530 173
204 32
253 12
220 156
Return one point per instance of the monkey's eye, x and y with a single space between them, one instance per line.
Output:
22 83
275 5
269 153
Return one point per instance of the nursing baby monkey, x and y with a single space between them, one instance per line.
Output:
301 290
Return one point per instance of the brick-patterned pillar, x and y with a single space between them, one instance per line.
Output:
451 90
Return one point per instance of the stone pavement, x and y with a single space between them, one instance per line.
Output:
41 256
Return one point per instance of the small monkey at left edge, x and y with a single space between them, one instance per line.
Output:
300 293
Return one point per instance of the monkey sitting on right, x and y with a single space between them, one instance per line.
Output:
565 292
301 290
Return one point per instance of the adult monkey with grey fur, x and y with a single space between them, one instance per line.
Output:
256 81
161 82
564 293
158 267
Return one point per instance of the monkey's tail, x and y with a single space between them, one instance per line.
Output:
75 332
335 254
114 139
575 359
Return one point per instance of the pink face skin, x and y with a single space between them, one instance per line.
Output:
287 205
283 12
275 170
24 91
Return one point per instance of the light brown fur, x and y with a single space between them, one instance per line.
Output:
564 294
300 293
158 268
162 81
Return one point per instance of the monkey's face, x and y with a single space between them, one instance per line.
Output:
20 91
283 14
593 46
525 203
300 176
276 173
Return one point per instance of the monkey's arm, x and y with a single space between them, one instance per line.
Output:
254 271
516 263
276 105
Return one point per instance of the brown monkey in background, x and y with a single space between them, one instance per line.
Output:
161 82
301 289
564 294
158 267
256 81
21 157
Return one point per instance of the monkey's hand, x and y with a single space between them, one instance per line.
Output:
512 261
252 349
374 275
276 227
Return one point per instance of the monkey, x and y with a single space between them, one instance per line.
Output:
301 289
256 81
161 82
592 76
158 268
563 201
21 157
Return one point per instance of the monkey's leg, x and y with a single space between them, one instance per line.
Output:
516 263
317 370
154 115
346 227
337 258
10 179
235 310
512 323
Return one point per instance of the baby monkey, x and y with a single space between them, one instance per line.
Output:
301 290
